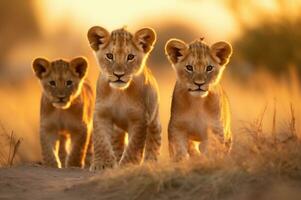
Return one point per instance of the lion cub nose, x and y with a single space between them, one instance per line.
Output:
199 83
119 74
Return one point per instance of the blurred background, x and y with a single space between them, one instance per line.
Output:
264 70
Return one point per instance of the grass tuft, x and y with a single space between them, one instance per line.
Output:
10 146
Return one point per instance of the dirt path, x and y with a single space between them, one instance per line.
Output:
35 182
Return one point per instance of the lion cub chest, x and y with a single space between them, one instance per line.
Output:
123 109
197 121
60 120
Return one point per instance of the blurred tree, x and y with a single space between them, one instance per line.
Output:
272 44
18 23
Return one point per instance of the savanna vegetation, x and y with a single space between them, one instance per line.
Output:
262 82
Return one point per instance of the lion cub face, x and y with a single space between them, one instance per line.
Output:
120 54
61 80
198 66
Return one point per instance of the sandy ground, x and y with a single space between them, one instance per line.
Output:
37 182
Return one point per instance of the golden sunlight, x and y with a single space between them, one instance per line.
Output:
117 13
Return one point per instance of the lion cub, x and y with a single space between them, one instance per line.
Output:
127 98
199 104
66 111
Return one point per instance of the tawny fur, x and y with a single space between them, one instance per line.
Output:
199 104
66 111
127 99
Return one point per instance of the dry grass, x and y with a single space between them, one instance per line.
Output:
10 146
277 152
269 166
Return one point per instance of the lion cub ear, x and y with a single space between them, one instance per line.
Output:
98 37
79 66
221 51
40 67
175 50
145 39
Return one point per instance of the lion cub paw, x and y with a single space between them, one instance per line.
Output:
102 165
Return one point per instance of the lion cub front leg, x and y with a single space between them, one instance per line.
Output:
218 131
49 144
134 151
177 144
89 154
103 152
153 140
223 136
80 137
118 142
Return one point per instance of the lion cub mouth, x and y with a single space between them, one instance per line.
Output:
61 104
198 92
119 84
119 81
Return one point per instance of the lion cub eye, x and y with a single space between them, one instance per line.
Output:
130 57
52 83
189 68
69 83
110 56
209 68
